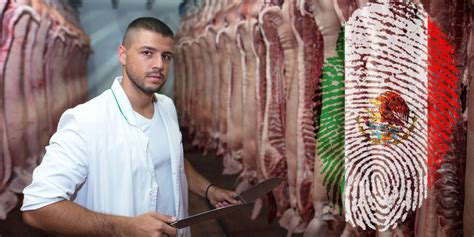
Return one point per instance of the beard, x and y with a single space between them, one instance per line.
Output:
139 82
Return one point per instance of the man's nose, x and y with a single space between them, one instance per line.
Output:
158 62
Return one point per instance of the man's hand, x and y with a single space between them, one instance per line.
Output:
152 224
200 185
221 197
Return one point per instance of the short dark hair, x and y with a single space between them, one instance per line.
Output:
147 23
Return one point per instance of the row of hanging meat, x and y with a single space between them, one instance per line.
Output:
43 72
360 106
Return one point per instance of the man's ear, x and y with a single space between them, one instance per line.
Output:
122 55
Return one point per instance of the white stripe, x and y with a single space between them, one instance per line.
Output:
384 182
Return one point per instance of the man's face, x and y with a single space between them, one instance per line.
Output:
147 59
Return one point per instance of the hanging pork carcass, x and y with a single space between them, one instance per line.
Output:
468 217
39 80
449 32
32 86
224 80
211 34
273 147
309 61
235 109
251 173
206 140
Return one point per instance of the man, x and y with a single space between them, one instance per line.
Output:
115 166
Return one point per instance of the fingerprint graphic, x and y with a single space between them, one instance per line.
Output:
385 114
330 146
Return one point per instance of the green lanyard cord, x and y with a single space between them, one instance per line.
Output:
116 101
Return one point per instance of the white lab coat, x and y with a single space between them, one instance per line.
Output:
98 159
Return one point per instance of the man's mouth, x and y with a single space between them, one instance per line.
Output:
155 76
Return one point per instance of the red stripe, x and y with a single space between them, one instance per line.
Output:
446 101
437 113
449 95
440 116
438 126
443 97
447 66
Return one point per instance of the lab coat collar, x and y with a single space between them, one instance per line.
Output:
123 103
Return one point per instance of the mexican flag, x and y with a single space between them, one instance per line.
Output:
401 102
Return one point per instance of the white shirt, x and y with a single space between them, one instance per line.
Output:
159 151
98 159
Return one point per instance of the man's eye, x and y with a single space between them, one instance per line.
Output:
147 53
166 57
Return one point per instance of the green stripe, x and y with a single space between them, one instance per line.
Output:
330 146
118 105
